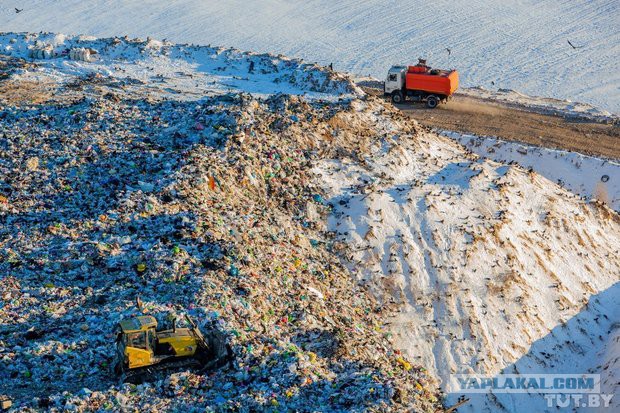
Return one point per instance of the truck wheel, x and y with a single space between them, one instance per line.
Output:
397 97
432 101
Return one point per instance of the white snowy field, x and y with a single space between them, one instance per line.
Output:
521 45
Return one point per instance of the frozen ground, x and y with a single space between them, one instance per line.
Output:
583 175
165 69
518 45
495 269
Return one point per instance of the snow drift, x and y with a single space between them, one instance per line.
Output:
584 175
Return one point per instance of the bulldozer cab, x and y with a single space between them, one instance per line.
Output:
142 349
136 341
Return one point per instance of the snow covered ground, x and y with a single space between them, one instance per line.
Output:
495 269
581 174
166 69
518 45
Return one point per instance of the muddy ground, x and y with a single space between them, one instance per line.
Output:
485 118
480 117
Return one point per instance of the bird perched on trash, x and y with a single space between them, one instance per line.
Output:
573 46
138 302
18 10
449 51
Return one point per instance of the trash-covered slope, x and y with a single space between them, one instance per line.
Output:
494 267
206 206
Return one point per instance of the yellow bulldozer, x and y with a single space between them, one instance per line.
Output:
142 350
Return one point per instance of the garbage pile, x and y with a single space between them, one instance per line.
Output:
82 54
200 69
208 207
9 66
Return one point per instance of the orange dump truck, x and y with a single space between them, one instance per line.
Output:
420 83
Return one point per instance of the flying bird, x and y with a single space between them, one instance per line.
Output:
18 10
573 46
449 51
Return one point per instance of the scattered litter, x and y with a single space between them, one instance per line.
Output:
126 206
5 403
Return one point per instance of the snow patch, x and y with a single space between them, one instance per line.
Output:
581 174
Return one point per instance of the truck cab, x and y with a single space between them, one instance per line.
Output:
395 82
136 340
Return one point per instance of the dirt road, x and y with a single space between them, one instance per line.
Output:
484 118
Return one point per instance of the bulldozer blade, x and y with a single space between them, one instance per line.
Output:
197 333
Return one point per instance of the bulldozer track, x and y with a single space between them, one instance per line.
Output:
153 373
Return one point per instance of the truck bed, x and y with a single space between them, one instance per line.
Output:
443 83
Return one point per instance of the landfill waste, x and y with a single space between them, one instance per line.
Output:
117 204
5 403
324 233
9 66
181 71
82 54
